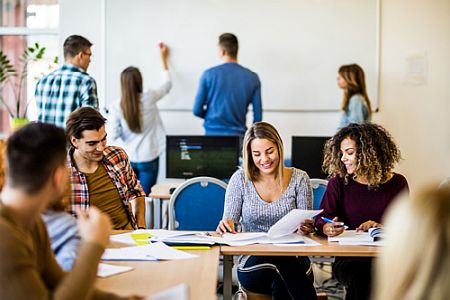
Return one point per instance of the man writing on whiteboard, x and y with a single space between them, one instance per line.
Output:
226 91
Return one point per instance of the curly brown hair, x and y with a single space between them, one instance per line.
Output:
376 153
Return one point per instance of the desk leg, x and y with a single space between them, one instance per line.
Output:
227 267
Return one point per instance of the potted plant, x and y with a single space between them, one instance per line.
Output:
15 78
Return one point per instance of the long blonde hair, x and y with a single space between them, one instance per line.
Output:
131 90
417 249
262 130
356 84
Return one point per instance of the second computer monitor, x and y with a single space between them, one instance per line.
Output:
307 154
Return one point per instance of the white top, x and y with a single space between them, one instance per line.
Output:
149 144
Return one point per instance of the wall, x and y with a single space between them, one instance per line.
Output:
416 115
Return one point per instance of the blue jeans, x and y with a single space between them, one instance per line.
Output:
147 173
289 278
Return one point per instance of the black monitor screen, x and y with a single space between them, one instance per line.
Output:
192 156
307 154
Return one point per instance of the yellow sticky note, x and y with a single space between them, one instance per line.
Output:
141 238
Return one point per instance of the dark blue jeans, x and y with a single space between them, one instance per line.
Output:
285 277
355 273
147 173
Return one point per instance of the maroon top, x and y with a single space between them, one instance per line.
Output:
353 203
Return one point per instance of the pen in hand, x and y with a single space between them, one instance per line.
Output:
331 221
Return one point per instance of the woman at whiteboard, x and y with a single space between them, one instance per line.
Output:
257 196
356 106
136 121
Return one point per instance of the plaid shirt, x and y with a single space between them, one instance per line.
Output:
62 91
118 169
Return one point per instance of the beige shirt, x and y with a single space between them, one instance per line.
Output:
28 269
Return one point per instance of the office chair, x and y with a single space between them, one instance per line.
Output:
197 204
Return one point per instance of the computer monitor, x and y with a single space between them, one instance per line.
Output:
307 154
190 156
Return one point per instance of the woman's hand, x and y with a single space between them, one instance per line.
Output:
333 229
225 226
368 224
307 226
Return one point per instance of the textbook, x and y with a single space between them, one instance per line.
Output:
373 237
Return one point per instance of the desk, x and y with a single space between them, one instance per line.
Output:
326 249
150 277
161 192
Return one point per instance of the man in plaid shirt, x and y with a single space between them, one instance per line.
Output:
64 90
101 175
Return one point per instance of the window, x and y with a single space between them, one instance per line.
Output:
22 24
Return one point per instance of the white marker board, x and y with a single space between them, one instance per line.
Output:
295 46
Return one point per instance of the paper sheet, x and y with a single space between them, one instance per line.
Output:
291 222
105 270
154 251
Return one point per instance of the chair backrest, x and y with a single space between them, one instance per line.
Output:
197 204
319 187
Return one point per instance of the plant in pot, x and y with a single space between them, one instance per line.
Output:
16 78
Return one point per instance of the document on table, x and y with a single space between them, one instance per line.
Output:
290 222
134 237
105 270
178 292
353 237
154 251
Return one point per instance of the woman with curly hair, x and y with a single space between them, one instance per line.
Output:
356 106
359 160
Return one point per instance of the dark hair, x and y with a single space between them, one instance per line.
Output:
376 153
81 119
261 130
131 88
229 43
354 76
75 44
33 153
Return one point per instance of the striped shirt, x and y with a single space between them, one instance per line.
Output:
62 91
118 168
243 204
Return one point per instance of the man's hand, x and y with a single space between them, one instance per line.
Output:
368 224
94 226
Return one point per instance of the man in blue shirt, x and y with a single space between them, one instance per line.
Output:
226 91
65 89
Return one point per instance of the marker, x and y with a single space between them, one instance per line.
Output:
331 221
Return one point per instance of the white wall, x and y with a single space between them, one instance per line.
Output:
416 115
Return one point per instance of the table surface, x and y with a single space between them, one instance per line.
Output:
151 277
161 190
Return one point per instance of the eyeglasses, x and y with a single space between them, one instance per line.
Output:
88 53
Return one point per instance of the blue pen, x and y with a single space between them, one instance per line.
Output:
331 221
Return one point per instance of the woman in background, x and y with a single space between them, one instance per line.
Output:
359 158
356 106
417 249
257 197
137 122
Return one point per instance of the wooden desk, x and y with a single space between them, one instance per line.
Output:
326 249
151 277
161 192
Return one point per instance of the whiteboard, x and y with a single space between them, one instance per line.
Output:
295 46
